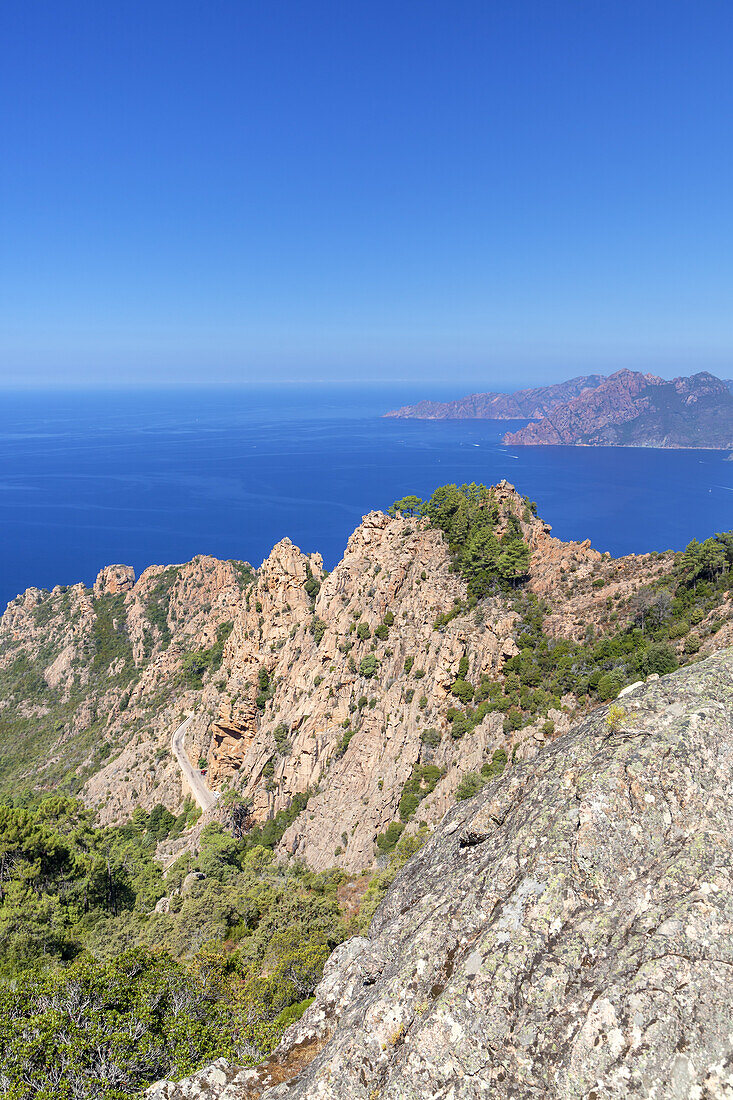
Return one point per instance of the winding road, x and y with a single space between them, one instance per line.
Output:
205 797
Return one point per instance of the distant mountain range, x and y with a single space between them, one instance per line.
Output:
625 409
532 404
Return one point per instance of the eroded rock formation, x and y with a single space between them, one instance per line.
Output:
232 734
336 687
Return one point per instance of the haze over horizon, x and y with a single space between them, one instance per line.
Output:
486 196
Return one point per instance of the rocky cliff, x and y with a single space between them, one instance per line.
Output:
627 408
564 934
530 403
95 680
375 694
639 410
352 708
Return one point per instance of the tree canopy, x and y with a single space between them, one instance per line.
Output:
101 994
485 542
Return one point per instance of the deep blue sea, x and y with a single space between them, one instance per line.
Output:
88 479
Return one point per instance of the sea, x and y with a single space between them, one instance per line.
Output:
157 476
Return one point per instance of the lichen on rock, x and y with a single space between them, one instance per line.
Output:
566 933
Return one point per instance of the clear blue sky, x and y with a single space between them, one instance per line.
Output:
464 192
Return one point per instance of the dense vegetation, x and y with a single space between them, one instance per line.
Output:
486 544
100 994
663 626
547 668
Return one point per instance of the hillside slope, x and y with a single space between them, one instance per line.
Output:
565 934
348 708
530 403
87 674
639 410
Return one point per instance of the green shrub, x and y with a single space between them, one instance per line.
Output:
492 769
460 725
311 585
514 719
462 691
609 686
421 783
343 743
292 1013
388 839
430 737
470 784
368 666
281 735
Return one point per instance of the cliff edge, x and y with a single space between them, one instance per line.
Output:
566 933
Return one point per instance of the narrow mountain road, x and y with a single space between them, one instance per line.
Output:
195 780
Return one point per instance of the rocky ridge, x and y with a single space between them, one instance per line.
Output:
332 688
530 403
93 681
564 934
352 740
639 410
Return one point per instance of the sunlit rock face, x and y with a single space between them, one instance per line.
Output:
284 702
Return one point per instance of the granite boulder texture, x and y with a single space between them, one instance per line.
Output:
567 933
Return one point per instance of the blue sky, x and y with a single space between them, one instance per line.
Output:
491 193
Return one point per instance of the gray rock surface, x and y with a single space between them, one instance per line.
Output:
567 933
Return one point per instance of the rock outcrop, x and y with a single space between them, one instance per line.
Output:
639 410
232 733
94 681
336 688
350 736
565 934
113 579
